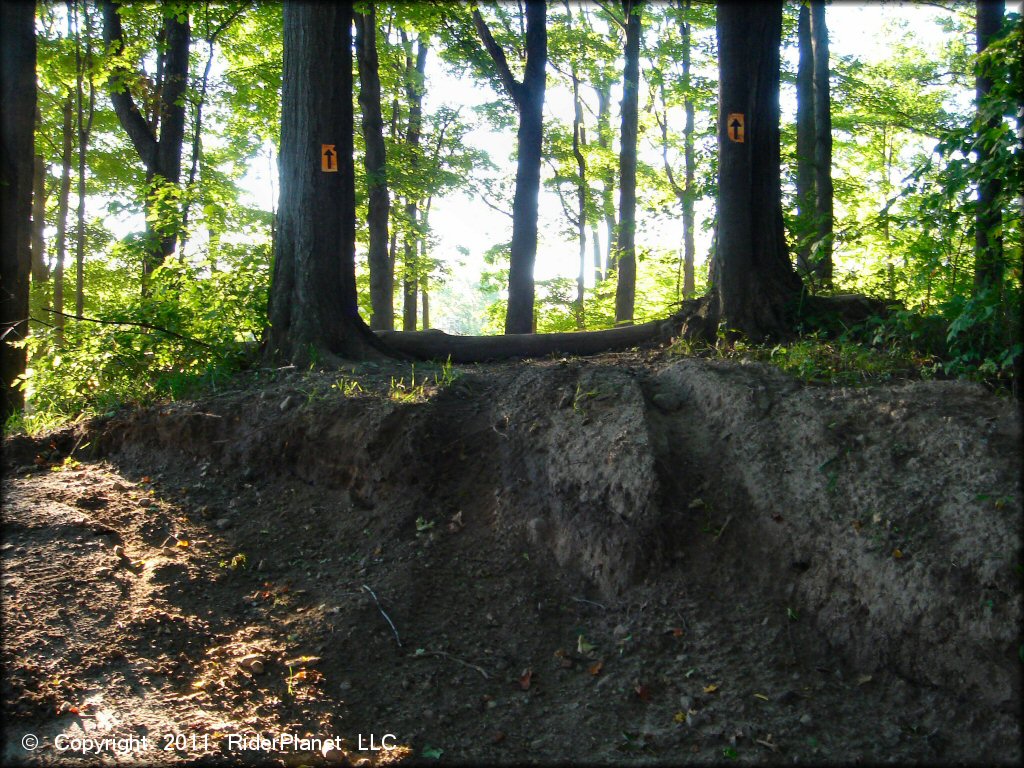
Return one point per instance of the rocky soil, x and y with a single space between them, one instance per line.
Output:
627 558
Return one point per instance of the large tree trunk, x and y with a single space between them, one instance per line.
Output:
17 118
161 156
313 308
755 287
822 145
806 200
378 204
524 204
988 241
604 141
625 259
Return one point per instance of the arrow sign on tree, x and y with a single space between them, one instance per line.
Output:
327 163
735 124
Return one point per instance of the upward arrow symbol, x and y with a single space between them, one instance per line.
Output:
329 155
736 126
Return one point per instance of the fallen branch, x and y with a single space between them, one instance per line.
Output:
382 613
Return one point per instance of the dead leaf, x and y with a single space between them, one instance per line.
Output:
498 737
778 518
595 668
525 679
582 646
679 717
897 553
677 632
711 688
642 691
863 679
760 696
183 543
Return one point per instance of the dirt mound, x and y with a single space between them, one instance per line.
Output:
564 560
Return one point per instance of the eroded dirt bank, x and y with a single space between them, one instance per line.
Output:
587 560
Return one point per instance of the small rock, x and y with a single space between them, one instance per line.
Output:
145 502
254 663
222 524
806 719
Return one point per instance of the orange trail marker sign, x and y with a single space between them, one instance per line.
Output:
735 127
328 159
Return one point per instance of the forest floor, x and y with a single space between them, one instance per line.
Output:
627 558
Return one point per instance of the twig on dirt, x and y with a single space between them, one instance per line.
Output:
589 602
445 655
722 529
382 613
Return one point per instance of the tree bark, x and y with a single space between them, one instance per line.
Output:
988 240
314 313
822 145
625 259
375 161
528 96
806 201
84 125
17 119
755 287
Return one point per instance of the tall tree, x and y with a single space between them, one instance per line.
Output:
822 144
755 287
63 200
40 269
415 70
158 142
988 241
625 252
313 308
689 190
84 118
17 120
528 97
806 202
375 162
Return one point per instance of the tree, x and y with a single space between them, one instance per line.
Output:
528 97
157 142
17 121
805 197
314 313
988 244
822 143
755 287
625 255
415 69
375 161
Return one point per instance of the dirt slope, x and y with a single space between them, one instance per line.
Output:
623 558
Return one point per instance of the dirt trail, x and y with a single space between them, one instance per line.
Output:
624 558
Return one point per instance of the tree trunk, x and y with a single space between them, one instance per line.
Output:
84 125
524 204
161 156
414 74
425 304
17 119
40 270
625 260
578 141
604 141
988 240
689 192
63 199
313 311
374 159
822 145
755 287
806 200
